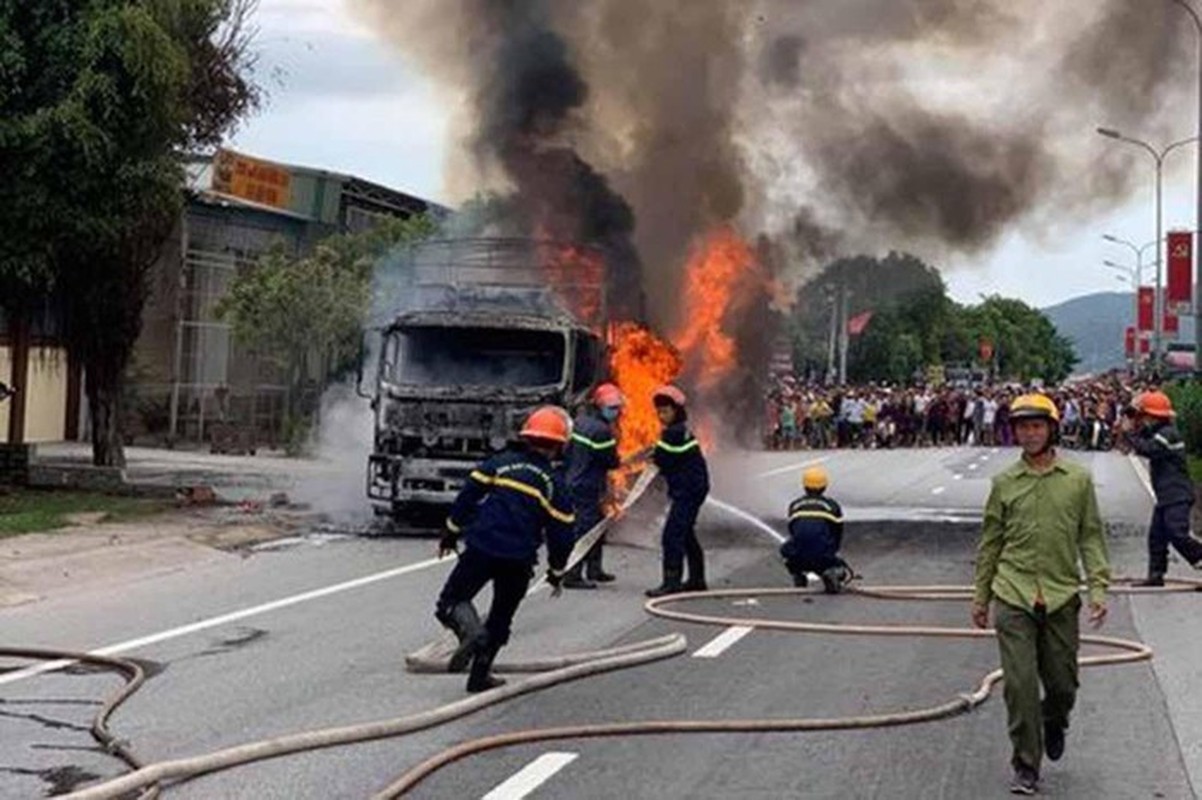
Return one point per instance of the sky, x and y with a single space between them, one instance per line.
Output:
340 99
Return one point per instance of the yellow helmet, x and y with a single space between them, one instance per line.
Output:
814 479
1034 406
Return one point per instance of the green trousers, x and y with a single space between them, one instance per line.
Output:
1035 649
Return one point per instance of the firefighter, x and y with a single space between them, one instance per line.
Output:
1150 432
592 453
509 505
815 535
1040 519
679 458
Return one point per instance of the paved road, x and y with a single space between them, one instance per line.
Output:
336 659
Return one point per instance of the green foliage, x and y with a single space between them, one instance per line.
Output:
915 324
98 101
307 313
1187 402
33 510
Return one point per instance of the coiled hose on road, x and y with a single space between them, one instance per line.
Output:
554 671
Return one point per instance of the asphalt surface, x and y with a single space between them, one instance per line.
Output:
337 659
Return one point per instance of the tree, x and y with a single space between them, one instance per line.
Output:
307 313
98 103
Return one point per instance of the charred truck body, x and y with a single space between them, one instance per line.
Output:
496 328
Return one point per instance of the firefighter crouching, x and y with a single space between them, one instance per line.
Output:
593 452
1150 432
679 458
510 503
815 535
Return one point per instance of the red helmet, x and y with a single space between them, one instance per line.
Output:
607 395
1155 404
550 424
671 394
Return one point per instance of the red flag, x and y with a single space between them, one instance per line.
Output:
1147 307
1181 262
1129 342
1172 323
857 324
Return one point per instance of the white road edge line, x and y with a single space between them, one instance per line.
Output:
532 776
1141 472
723 641
225 619
793 467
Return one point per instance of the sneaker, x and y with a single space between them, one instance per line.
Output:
1025 781
1053 740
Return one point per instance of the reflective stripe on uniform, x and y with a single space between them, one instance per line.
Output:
1170 445
452 527
691 444
530 491
806 514
482 477
587 442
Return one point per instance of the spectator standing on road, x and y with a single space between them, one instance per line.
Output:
1041 516
508 505
1152 434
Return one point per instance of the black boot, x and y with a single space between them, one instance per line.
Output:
592 566
575 578
800 580
481 678
696 560
671 584
1153 579
464 622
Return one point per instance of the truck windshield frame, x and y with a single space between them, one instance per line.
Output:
438 356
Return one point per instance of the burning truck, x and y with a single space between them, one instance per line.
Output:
493 328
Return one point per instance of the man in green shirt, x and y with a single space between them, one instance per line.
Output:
1041 517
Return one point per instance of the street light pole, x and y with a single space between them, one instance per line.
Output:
1189 9
1158 156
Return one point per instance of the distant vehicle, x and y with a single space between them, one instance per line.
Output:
1179 360
495 334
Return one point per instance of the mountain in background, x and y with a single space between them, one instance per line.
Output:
1095 324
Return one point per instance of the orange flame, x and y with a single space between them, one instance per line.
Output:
717 268
640 362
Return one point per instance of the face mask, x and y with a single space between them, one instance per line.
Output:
610 413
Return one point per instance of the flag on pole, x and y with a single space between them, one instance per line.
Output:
857 324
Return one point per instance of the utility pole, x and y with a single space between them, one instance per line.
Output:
843 302
833 340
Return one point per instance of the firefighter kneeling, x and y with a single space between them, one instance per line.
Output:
815 536
507 505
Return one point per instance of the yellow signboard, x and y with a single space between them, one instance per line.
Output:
251 179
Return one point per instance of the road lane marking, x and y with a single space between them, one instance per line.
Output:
972 466
532 776
938 490
958 477
792 467
1141 472
225 619
720 643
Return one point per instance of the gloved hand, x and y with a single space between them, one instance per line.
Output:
448 544
555 581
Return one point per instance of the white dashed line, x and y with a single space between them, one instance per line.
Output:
972 466
532 776
938 490
792 467
720 643
958 477
225 619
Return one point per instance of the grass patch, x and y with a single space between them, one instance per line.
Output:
1195 468
33 510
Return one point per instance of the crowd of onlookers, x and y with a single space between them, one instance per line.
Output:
804 416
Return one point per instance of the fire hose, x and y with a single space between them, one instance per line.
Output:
553 671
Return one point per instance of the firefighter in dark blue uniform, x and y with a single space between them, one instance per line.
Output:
592 454
815 535
679 458
508 505
1152 434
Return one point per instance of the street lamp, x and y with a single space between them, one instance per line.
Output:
1158 156
1189 9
